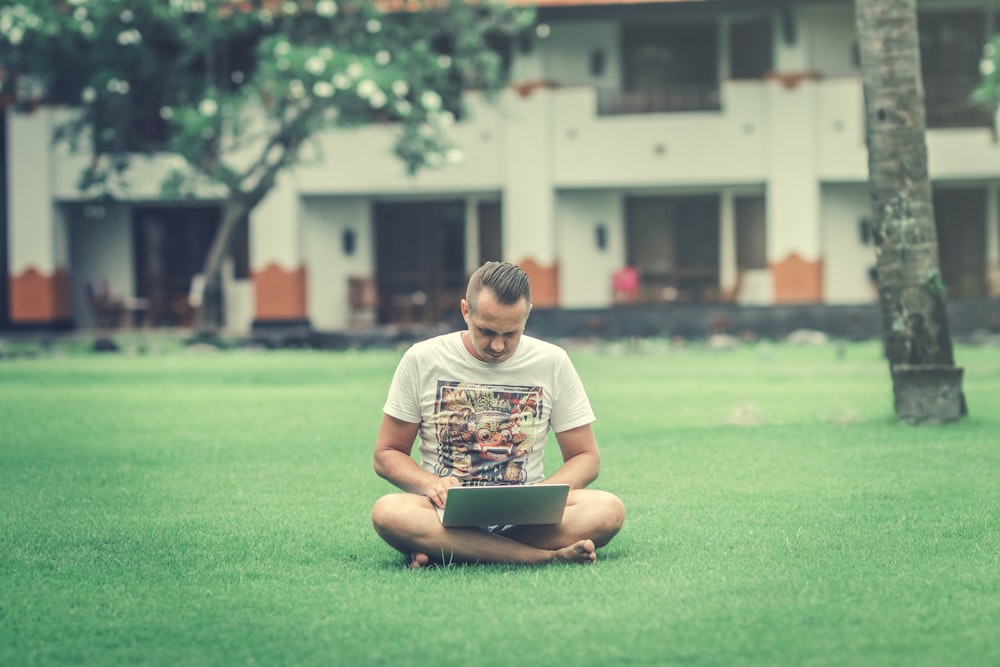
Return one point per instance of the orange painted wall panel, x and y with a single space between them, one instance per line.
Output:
544 283
797 280
279 294
39 298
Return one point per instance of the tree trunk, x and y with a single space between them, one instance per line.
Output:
911 293
238 205
209 315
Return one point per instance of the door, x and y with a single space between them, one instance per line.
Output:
171 244
420 261
960 219
950 50
674 244
670 67
490 232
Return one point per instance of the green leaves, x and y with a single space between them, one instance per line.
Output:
237 85
988 91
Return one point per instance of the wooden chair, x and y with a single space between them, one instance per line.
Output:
362 301
107 312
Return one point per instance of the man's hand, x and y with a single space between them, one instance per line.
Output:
393 462
438 490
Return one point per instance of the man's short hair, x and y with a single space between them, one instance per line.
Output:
508 283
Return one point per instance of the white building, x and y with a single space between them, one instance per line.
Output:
716 146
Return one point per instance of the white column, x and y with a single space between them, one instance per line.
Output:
276 259
724 47
794 248
37 248
528 200
529 66
790 56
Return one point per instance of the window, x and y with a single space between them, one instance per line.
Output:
420 260
960 219
750 55
667 68
490 232
673 242
751 232
950 48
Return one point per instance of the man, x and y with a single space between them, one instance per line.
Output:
482 402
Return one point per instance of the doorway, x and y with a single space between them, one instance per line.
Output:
420 261
673 242
490 231
171 244
960 219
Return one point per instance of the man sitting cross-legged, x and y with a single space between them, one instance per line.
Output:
482 402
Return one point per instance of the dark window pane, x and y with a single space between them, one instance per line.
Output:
950 48
665 55
751 232
490 232
750 55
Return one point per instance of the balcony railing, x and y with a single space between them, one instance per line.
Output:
948 105
687 97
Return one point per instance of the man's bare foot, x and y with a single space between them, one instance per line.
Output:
581 552
418 560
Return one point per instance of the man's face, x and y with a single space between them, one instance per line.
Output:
494 329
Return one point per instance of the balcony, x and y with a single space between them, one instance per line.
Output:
636 147
676 98
948 105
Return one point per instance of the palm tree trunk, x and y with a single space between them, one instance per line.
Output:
917 342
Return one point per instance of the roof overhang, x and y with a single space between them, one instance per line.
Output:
638 10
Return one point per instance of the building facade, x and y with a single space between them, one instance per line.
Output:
717 148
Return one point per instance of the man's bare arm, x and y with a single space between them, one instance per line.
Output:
581 458
393 462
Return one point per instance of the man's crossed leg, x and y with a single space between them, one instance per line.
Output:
410 524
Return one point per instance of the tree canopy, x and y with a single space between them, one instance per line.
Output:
236 87
988 91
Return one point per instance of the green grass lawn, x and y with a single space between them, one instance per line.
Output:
212 509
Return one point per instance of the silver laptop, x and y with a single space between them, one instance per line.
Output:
516 505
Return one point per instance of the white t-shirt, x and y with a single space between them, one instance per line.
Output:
486 423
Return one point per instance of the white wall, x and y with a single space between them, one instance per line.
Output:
962 154
694 148
840 127
34 230
792 56
239 302
793 201
275 228
324 220
528 197
361 159
831 31
585 270
568 48
846 260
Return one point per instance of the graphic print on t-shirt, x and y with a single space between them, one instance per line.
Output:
485 432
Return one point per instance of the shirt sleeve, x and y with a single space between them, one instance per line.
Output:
403 401
572 407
